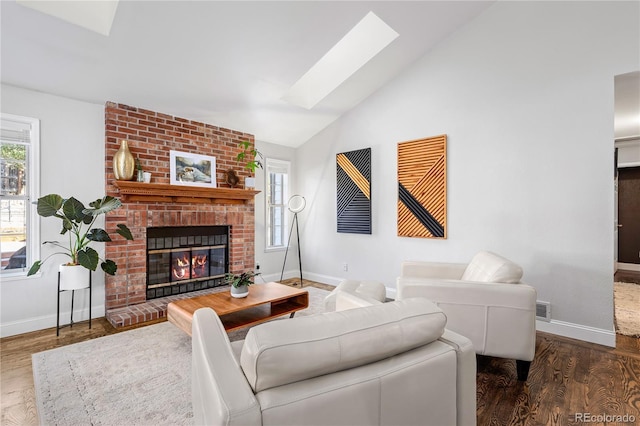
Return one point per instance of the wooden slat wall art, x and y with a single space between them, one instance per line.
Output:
354 191
422 188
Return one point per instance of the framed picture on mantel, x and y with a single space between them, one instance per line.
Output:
192 169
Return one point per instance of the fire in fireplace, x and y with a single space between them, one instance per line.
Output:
182 259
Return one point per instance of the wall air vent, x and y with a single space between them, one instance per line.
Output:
543 311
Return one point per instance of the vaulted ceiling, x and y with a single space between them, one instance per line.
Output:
223 63
227 63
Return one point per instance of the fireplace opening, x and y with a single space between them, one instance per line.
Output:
181 259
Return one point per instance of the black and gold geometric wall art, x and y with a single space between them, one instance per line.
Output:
354 191
422 188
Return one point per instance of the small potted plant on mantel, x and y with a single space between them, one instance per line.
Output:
253 159
78 222
240 283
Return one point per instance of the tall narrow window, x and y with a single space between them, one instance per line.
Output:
19 236
277 180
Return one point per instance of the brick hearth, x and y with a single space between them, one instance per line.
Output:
151 136
151 310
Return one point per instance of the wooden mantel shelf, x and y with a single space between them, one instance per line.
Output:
163 193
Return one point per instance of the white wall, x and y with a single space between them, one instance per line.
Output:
72 164
525 95
271 261
628 153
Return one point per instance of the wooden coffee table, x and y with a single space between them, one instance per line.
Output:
264 302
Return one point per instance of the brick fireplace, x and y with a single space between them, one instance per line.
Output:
151 135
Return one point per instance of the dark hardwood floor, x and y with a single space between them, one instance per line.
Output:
627 276
567 378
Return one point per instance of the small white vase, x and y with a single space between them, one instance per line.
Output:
249 183
73 277
240 292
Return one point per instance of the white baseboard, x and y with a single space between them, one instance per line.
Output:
48 321
334 281
580 332
561 328
629 267
265 278
294 273
324 279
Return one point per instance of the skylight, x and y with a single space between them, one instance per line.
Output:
364 41
93 15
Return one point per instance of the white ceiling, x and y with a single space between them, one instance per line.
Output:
223 63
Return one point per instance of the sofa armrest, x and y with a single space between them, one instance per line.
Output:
420 269
466 376
220 392
498 318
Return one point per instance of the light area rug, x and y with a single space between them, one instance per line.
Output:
138 377
626 301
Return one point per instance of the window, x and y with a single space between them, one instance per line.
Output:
19 236
277 182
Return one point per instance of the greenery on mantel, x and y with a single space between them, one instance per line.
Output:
251 155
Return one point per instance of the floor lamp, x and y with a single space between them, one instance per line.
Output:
296 204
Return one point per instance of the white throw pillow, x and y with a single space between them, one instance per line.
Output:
491 268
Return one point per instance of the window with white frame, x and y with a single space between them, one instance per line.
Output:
19 235
277 189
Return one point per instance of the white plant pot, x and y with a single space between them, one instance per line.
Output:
73 277
240 292
250 182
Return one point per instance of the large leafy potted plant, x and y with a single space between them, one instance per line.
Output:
240 283
78 223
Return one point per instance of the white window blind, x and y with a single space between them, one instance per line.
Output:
277 179
19 236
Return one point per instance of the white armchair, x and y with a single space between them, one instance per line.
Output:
484 301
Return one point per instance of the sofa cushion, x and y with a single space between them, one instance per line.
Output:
489 267
286 351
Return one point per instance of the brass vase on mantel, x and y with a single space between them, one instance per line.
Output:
123 162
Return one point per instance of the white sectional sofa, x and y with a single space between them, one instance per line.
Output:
380 364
